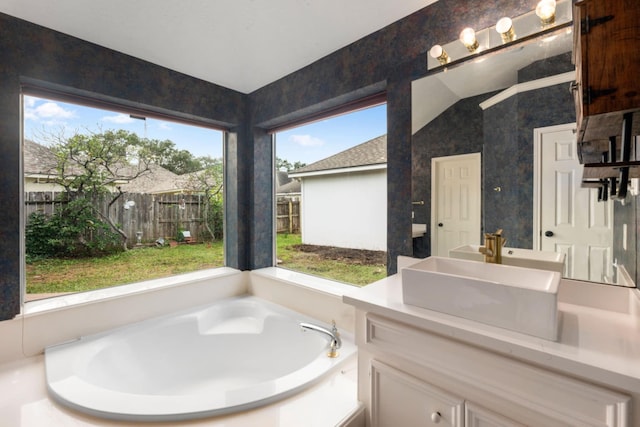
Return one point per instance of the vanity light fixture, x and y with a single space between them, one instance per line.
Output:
546 11
440 54
468 39
505 28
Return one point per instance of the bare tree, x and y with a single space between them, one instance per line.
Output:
93 165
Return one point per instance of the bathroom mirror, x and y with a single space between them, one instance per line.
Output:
514 106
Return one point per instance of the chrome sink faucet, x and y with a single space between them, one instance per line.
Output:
333 334
492 249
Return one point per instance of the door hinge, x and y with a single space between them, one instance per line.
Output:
586 24
591 94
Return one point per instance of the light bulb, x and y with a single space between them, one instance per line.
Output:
505 28
439 53
468 38
546 11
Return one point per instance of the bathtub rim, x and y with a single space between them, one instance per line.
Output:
347 353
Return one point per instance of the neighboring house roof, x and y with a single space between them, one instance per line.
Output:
369 153
290 188
198 181
38 159
157 180
286 185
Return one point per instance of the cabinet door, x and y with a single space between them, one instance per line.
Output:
399 399
477 416
610 56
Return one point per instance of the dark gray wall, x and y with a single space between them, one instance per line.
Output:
508 131
386 60
458 130
31 53
504 135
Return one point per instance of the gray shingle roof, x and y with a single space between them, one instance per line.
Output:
157 180
38 159
372 152
284 184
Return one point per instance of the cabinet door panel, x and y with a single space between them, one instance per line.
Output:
477 416
610 58
398 399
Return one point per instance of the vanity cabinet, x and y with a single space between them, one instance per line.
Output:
423 404
412 377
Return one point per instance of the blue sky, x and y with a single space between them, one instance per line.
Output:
318 140
305 144
46 117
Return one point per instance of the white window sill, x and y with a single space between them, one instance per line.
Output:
319 284
120 291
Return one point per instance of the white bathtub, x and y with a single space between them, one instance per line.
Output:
236 354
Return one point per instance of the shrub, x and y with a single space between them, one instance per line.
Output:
72 231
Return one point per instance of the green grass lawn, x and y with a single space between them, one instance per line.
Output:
75 275
311 263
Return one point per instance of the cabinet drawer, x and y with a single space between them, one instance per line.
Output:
399 399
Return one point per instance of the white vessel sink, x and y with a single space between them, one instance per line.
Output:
543 260
521 299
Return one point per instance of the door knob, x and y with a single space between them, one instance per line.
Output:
548 233
440 224
436 417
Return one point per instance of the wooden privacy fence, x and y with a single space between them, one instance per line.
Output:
147 215
288 216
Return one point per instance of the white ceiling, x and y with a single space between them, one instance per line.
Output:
239 44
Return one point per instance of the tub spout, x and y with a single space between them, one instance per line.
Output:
333 334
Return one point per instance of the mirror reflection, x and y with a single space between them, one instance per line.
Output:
494 152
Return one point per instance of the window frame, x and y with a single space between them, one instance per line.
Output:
53 92
371 101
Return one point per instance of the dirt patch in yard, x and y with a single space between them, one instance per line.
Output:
352 256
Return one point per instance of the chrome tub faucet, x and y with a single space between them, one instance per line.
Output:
333 334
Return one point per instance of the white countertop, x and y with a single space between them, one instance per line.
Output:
597 342
26 403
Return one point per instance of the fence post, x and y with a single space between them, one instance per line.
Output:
290 217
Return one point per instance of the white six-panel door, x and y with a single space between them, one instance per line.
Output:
571 220
455 202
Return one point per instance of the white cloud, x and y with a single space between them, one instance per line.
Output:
29 102
306 140
118 118
164 126
30 114
49 110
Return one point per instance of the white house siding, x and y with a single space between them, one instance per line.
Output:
347 210
31 185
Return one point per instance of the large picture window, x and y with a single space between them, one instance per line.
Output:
331 197
113 198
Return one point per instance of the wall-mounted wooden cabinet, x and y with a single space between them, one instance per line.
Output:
607 90
607 56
